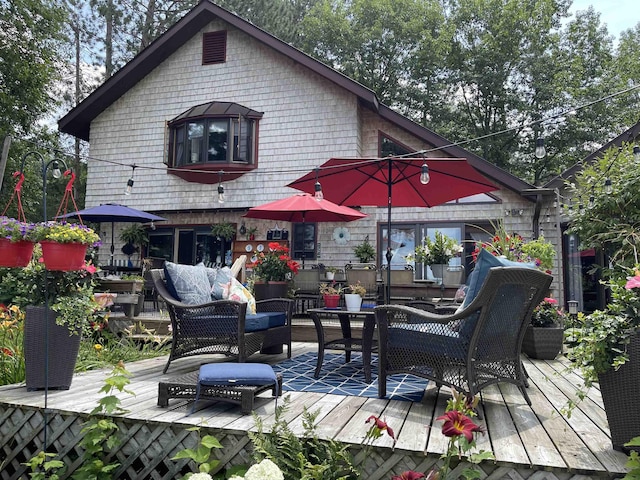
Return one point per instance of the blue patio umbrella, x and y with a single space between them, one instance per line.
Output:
113 212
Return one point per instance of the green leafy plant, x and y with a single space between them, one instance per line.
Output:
275 264
597 342
301 458
634 460
332 288
548 314
224 230
135 234
365 252
514 247
99 433
44 466
61 232
11 341
201 455
437 251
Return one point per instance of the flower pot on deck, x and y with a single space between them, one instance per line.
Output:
353 302
331 301
267 290
62 350
620 391
543 343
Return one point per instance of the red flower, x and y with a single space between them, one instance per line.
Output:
7 352
381 426
456 423
409 475
90 268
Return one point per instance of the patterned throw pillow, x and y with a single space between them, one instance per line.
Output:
234 290
190 282
222 280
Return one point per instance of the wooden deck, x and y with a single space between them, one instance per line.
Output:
528 442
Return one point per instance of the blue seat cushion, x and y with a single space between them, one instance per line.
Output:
236 374
256 322
484 262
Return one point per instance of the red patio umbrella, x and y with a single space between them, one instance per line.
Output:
371 181
303 207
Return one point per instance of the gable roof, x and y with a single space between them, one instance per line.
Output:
77 122
626 136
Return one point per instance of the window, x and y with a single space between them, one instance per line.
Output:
189 245
214 146
213 136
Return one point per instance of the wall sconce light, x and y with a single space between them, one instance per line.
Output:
514 212
220 188
129 187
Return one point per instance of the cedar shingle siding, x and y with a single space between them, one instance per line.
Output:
214 47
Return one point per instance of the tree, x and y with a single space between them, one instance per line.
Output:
29 62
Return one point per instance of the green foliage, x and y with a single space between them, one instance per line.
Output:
633 464
100 432
202 453
135 234
548 314
597 342
224 230
275 264
437 251
42 468
65 233
12 368
305 458
609 220
365 252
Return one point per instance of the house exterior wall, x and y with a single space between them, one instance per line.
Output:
307 120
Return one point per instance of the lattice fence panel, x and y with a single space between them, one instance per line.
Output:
146 449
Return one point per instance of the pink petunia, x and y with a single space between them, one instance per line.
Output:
633 282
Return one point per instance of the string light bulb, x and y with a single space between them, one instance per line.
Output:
318 188
540 150
608 186
424 174
129 187
636 153
221 198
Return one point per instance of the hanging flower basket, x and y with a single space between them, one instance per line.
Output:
63 257
15 254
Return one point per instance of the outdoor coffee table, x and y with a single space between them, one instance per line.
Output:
347 342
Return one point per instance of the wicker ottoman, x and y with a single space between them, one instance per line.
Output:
185 387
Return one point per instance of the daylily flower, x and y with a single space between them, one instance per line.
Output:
409 475
380 426
456 423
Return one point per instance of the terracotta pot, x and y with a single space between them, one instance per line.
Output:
15 254
63 257
267 290
331 301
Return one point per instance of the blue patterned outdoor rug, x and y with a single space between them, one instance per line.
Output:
341 378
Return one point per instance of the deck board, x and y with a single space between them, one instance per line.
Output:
540 437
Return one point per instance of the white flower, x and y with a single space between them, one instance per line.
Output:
200 476
265 470
236 477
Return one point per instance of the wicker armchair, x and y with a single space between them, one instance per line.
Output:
219 326
470 350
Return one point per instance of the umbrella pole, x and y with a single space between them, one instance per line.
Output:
112 246
303 234
389 255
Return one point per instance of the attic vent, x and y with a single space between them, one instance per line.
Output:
214 47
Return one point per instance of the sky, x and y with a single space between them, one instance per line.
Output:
619 15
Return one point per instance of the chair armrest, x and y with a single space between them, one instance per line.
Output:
422 316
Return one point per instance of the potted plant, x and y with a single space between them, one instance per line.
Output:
330 272
72 312
64 245
364 252
16 242
224 230
134 236
605 347
272 271
544 335
251 233
353 299
437 253
331 294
